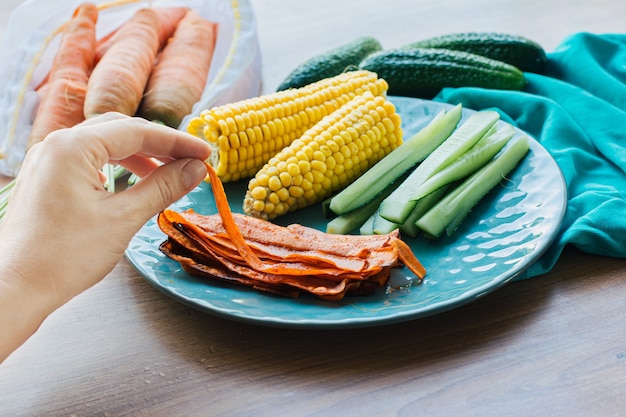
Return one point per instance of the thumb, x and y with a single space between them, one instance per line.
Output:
164 186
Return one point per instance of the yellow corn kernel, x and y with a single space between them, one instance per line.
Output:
274 120
315 166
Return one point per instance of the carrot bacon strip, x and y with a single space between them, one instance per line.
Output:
299 237
256 232
218 247
408 258
62 98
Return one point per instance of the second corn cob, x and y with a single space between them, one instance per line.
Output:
246 134
326 157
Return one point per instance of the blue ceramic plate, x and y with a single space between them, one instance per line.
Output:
504 234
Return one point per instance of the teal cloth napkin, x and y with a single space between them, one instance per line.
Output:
577 110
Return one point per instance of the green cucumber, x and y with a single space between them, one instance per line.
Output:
397 207
450 211
330 63
423 72
519 51
483 151
397 162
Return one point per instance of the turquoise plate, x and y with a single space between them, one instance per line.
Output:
508 231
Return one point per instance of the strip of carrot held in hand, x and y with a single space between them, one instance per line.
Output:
118 80
62 99
180 74
223 208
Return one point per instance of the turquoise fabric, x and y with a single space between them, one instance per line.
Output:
577 110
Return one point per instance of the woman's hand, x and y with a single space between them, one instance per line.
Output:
62 232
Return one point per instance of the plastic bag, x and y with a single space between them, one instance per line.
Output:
32 38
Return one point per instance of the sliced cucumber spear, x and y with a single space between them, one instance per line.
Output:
399 205
481 153
423 205
450 211
380 225
399 161
436 187
347 222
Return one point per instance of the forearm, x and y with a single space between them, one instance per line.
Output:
22 310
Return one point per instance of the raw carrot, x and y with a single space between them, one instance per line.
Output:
179 76
117 82
61 101
104 43
168 18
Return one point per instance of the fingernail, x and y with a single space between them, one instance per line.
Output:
193 172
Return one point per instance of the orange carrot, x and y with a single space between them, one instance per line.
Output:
119 79
179 76
168 18
104 43
61 101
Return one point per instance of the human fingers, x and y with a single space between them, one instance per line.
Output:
140 165
101 118
162 187
117 139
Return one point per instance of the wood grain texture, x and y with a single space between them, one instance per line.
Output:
550 346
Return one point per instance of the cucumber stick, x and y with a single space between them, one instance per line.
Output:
483 151
347 222
397 207
368 227
379 225
450 211
423 205
382 226
399 161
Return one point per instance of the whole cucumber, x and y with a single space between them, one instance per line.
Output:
423 72
519 51
330 63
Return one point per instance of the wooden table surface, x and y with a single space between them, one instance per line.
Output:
554 345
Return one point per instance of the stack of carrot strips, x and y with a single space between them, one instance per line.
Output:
283 260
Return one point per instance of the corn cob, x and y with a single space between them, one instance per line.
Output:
246 134
325 158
